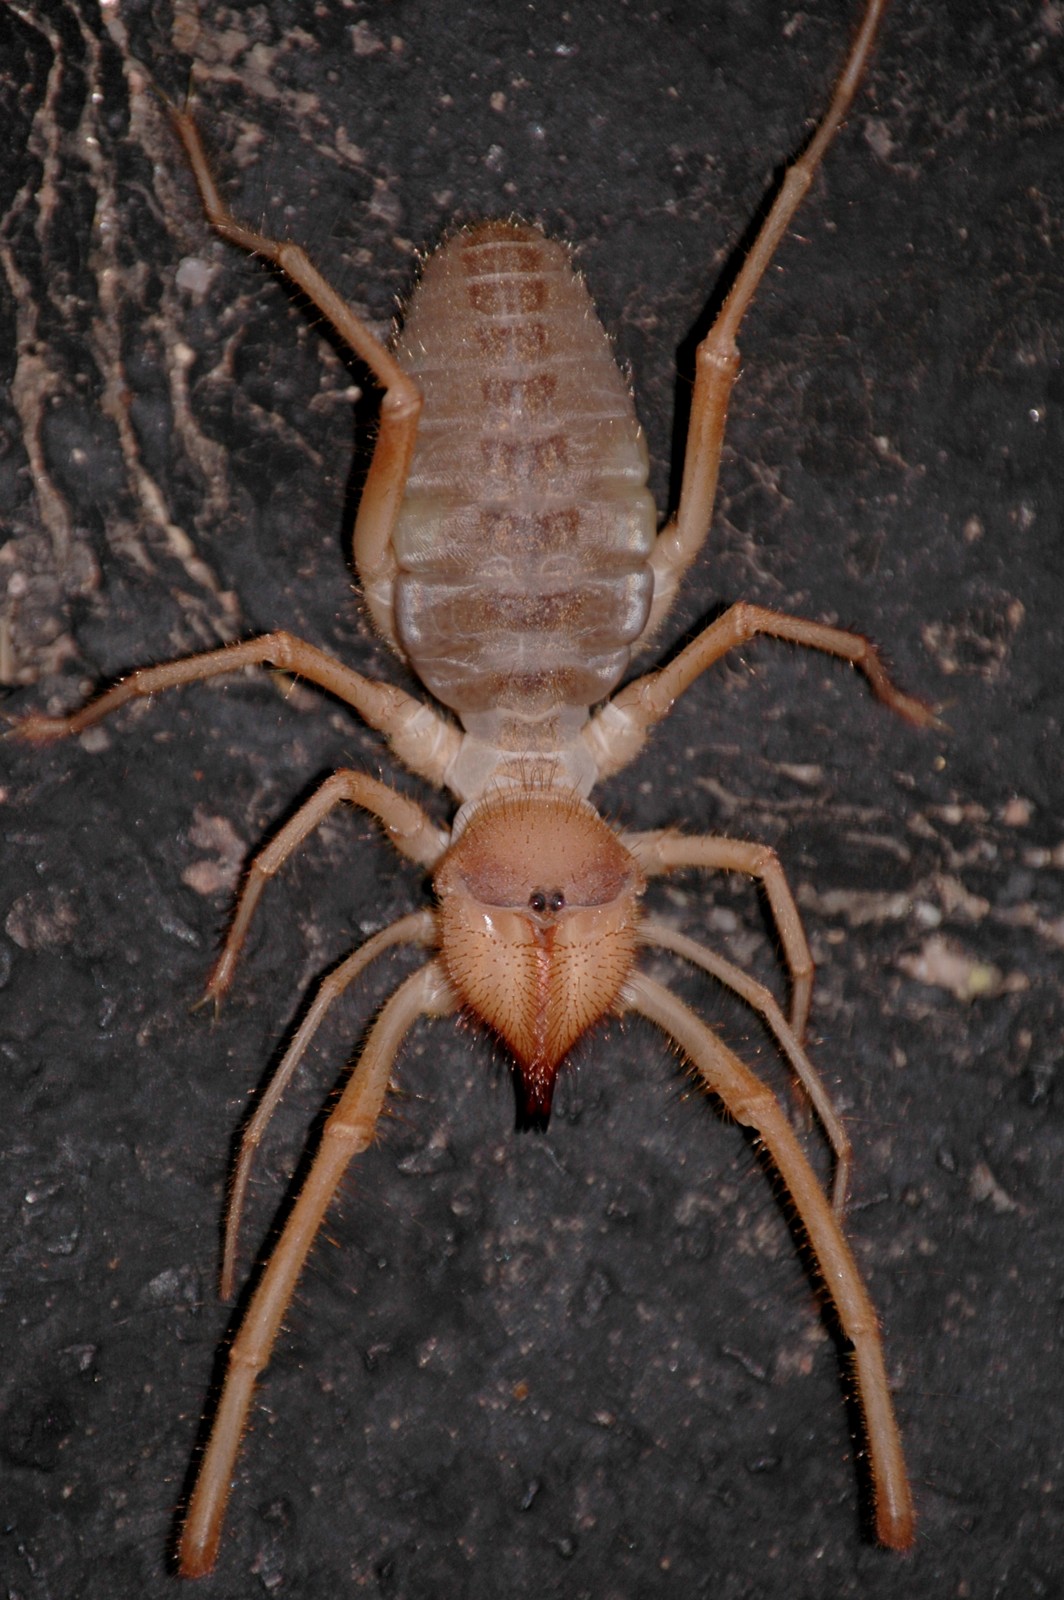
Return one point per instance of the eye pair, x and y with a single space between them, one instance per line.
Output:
541 900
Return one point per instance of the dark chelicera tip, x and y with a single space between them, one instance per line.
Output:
534 1089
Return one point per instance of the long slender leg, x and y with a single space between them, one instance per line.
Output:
418 928
758 997
422 739
665 851
400 407
347 1133
618 731
717 360
751 1103
413 834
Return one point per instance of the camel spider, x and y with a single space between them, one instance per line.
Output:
506 547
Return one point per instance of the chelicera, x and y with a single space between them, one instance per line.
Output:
507 548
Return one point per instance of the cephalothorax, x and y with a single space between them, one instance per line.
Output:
506 547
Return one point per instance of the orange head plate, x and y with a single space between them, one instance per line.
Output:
539 907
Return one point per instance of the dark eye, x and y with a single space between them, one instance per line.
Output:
541 900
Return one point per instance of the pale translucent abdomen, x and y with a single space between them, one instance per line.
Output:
523 539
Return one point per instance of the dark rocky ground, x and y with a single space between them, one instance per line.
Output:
590 1364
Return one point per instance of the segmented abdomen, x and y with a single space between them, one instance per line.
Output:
523 538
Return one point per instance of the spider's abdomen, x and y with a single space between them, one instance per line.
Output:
523 540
